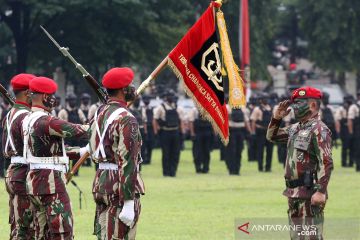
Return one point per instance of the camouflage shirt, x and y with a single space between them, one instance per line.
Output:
16 173
308 149
46 141
122 144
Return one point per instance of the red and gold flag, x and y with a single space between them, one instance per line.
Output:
196 61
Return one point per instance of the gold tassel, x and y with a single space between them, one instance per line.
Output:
236 87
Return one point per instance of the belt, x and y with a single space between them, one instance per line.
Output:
18 159
108 166
48 160
307 180
57 167
294 183
169 128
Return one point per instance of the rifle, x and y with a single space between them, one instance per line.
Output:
100 92
6 95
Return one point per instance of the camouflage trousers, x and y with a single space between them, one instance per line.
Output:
107 225
305 220
20 214
53 217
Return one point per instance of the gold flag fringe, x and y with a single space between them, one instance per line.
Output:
201 109
236 85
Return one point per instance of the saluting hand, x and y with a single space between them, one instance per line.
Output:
282 110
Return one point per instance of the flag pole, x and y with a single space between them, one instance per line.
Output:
150 78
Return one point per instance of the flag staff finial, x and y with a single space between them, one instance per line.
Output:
219 3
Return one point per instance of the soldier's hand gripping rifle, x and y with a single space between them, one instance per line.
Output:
6 95
100 92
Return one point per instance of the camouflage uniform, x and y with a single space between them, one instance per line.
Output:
121 181
46 186
307 169
21 209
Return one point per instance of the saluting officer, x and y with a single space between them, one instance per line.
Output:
309 161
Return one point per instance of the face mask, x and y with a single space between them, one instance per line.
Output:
72 103
86 101
170 99
49 101
301 109
129 93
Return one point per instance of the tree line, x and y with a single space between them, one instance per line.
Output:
140 33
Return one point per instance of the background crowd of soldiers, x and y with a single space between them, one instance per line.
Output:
167 125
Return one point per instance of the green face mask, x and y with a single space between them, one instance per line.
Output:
301 108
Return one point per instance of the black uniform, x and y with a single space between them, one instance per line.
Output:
170 140
236 141
149 138
355 141
328 116
345 143
202 143
261 140
73 116
251 139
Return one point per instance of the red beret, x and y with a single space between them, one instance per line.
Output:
43 85
117 78
292 66
306 92
21 81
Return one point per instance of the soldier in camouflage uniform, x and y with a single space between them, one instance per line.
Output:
115 144
4 162
44 150
21 209
309 161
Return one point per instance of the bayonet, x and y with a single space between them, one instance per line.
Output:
101 93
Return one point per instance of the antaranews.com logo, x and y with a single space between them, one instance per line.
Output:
279 228
301 230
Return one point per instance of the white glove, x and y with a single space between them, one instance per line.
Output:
83 150
127 213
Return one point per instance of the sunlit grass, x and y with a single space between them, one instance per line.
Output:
193 206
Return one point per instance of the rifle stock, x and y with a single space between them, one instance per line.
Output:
76 167
100 92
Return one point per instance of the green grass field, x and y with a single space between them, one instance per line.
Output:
193 206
